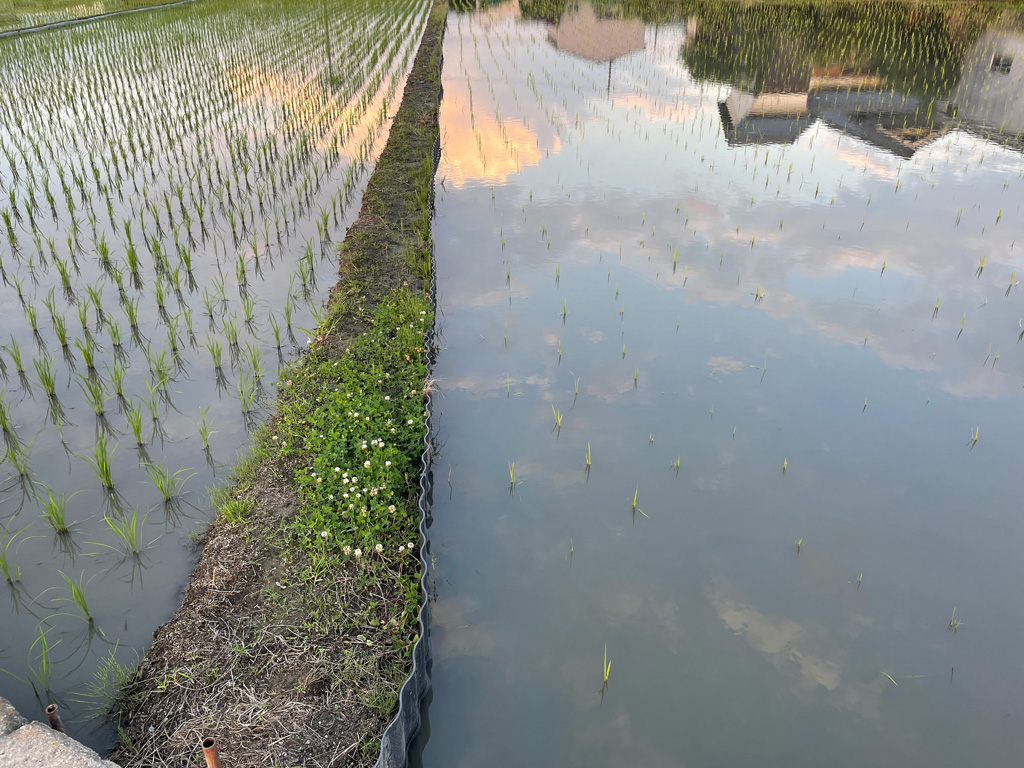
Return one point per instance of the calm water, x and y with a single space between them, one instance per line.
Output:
765 265
228 149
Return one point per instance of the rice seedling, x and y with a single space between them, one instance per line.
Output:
55 512
216 351
799 544
133 417
95 397
101 462
127 533
231 333
15 352
116 375
41 675
204 428
45 375
8 564
60 330
558 417
18 456
247 391
152 399
87 348
95 296
76 594
169 484
130 309
33 318
954 622
249 313
785 465
636 509
607 666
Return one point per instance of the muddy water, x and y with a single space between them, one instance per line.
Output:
764 268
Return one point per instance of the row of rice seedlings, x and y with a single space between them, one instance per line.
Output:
139 192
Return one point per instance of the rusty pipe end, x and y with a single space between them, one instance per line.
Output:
211 752
53 715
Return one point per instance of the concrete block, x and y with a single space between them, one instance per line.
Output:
10 720
39 746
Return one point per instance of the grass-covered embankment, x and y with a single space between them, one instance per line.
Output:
297 627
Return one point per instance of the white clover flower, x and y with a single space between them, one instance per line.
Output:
331 497
366 464
347 549
409 421
379 548
391 508
324 534
387 397
337 469
359 552
345 495
409 545
387 463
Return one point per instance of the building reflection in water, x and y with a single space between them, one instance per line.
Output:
988 99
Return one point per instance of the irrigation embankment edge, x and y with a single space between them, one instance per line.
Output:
301 623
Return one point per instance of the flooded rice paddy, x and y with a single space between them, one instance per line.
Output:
729 448
173 187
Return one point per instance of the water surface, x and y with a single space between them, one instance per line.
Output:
763 263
